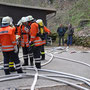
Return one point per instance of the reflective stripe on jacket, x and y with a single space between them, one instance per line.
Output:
24 33
33 33
7 38
44 42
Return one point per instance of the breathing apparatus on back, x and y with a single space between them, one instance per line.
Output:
41 32
41 26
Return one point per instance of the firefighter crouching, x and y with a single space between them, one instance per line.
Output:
43 32
9 46
23 31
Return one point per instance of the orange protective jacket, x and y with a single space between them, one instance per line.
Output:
24 33
33 33
7 38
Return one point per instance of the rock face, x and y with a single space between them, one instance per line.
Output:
84 32
62 7
84 22
68 11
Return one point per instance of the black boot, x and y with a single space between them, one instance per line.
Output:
43 57
38 65
7 72
25 62
19 70
31 61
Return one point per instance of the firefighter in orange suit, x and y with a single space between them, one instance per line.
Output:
36 40
23 31
44 32
9 46
11 63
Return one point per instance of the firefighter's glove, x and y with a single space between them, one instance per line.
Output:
31 44
15 49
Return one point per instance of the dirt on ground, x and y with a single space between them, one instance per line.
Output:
81 48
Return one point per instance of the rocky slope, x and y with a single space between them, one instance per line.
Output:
68 11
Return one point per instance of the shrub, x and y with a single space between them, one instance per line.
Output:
53 36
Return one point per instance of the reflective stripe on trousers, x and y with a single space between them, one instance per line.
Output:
13 57
30 54
6 66
25 56
36 54
25 52
18 66
42 52
37 60
11 64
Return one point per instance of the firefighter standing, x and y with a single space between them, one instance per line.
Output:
11 63
44 31
9 46
23 31
30 20
36 39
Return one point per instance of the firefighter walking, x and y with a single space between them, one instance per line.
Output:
9 46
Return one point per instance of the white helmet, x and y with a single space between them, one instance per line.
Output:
23 19
30 18
11 21
19 22
40 22
6 20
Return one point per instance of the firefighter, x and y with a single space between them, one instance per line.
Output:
36 40
11 64
30 20
9 46
23 31
44 31
16 33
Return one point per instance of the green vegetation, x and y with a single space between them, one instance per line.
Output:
51 1
80 11
77 40
76 12
53 36
78 15
81 41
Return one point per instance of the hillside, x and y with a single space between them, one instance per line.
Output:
80 16
68 11
75 12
